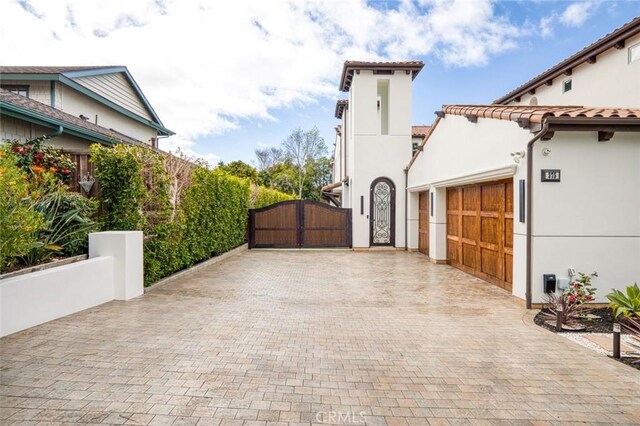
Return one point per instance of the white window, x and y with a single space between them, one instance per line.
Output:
634 53
566 86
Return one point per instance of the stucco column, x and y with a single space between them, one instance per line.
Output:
412 220
438 226
125 247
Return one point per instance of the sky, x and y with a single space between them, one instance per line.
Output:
233 76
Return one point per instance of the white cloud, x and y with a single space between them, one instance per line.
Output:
206 65
577 13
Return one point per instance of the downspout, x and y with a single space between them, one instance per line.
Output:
56 133
406 205
529 217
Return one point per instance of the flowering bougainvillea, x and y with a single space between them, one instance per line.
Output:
35 159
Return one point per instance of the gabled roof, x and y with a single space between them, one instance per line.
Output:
350 67
615 39
341 105
419 131
536 114
67 74
36 112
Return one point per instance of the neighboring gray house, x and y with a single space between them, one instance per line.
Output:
77 106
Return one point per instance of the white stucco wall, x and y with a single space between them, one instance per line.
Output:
611 82
459 152
113 271
371 154
588 221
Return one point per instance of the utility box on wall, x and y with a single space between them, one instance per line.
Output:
549 282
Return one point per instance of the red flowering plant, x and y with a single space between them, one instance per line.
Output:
36 159
569 304
581 291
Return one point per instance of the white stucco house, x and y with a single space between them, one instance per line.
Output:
543 181
373 146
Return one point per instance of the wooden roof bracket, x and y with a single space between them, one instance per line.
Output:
472 118
605 136
619 45
439 114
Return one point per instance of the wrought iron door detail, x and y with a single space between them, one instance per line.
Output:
382 212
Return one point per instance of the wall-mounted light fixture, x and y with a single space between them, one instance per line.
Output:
517 156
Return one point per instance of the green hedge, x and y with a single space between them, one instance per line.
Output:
210 217
261 197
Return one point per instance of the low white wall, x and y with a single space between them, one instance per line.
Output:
113 271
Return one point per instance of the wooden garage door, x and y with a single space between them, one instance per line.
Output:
423 223
480 231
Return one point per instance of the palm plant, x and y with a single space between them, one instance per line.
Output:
67 218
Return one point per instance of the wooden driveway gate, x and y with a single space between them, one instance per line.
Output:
299 224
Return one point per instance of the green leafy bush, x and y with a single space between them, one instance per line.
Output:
18 219
627 305
122 187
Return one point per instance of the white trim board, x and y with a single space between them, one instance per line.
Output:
476 177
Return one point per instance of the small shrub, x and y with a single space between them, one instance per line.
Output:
632 326
18 219
569 303
67 224
627 305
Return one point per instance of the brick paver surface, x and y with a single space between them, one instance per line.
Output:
311 337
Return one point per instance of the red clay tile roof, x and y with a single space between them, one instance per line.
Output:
614 39
49 69
419 131
341 105
536 114
350 67
62 117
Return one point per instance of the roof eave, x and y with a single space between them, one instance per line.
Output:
46 121
345 85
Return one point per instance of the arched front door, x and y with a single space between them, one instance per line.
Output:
382 220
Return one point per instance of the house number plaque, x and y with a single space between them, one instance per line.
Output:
550 175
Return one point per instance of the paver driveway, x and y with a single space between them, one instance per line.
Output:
311 337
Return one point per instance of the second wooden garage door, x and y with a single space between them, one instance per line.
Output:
480 231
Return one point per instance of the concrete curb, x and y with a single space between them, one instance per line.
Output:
195 268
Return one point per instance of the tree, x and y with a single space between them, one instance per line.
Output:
319 172
302 147
269 157
240 169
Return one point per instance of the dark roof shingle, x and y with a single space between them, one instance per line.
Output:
49 69
61 117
